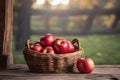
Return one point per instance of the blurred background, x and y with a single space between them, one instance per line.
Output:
96 23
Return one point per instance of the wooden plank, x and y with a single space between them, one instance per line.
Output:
8 34
21 72
3 58
6 15
3 61
2 24
76 12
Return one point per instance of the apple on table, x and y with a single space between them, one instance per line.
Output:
85 65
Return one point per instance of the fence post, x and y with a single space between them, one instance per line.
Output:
88 24
117 18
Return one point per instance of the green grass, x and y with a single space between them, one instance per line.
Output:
103 49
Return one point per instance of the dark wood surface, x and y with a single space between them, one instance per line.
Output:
2 23
21 72
6 29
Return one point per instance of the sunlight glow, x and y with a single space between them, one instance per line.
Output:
40 2
57 2
54 2
64 2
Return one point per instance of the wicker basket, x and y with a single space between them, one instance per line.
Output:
49 63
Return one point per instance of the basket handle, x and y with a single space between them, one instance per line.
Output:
28 44
76 43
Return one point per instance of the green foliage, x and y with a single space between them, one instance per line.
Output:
18 57
103 49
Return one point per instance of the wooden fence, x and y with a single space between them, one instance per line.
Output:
91 15
26 12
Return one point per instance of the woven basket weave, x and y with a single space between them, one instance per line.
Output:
49 63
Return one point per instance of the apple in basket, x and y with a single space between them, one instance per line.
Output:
37 43
47 40
71 47
36 47
85 65
60 38
61 46
49 44
48 49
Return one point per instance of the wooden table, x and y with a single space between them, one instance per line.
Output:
21 72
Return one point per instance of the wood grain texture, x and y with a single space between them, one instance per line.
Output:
8 33
21 72
6 27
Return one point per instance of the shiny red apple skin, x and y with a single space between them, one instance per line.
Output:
47 40
85 65
37 43
61 46
36 48
60 38
71 47
48 49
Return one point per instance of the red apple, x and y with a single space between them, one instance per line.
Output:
85 65
48 49
61 46
71 47
37 43
37 48
60 38
47 40
31 46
